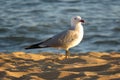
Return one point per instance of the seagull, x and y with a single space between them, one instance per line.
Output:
66 39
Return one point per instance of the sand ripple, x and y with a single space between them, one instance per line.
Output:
49 66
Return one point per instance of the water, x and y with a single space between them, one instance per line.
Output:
23 22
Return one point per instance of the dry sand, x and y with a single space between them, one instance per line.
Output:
49 66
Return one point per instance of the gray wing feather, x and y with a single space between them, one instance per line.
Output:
61 39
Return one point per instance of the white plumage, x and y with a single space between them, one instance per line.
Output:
66 39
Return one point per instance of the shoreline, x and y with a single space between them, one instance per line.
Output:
50 66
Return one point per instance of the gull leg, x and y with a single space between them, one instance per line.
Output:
67 54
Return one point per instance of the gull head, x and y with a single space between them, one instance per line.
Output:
76 20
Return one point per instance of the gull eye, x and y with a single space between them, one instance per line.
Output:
75 18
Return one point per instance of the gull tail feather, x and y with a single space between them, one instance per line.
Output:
34 46
38 45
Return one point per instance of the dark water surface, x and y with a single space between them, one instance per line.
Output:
23 22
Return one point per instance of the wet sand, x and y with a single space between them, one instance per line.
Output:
51 66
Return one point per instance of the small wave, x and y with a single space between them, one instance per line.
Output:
70 1
116 29
95 37
109 42
100 35
18 39
50 1
70 10
3 30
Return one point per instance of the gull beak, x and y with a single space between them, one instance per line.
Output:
82 21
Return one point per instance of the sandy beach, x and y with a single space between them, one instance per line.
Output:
51 66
